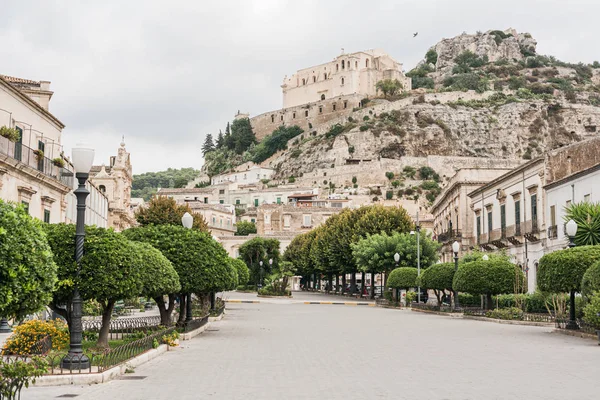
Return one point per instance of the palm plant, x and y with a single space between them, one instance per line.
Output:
587 217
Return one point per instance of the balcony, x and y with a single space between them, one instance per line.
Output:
553 232
27 156
449 236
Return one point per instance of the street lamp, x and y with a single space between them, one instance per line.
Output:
187 221
417 232
83 158
455 249
261 274
571 232
397 260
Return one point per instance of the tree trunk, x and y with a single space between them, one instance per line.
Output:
337 283
344 283
330 283
212 300
363 277
105 329
353 283
182 309
372 286
438 297
165 311
489 301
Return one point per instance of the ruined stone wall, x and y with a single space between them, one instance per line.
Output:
572 159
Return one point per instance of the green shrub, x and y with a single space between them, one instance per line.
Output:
411 297
431 56
563 270
429 185
422 82
296 153
270 291
292 179
437 277
590 282
389 175
511 313
402 278
26 335
11 134
469 300
335 130
363 128
389 195
274 142
592 310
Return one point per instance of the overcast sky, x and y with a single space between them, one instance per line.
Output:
166 73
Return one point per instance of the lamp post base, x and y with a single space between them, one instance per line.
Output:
75 362
4 327
572 325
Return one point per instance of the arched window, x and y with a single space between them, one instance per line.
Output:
102 188
314 78
322 97
337 67
272 118
356 64
367 63
343 64
303 81
342 81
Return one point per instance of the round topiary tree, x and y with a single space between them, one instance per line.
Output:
439 278
402 278
27 269
488 277
159 278
242 271
590 282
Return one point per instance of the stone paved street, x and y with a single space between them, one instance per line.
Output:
300 351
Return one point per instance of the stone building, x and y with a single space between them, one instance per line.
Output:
348 74
279 218
28 174
115 182
451 209
220 218
507 215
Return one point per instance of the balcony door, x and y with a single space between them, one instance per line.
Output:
19 145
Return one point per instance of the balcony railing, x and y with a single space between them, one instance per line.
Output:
28 156
449 236
552 232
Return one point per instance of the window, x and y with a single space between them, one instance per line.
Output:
25 206
367 63
306 113
489 221
221 222
334 107
47 216
356 64
320 109
323 97
587 198
307 220
294 115
503 220
337 67
253 220
303 81
221 191
214 220
342 81
345 104
272 118
568 203
314 79
478 227
102 188
221 201
343 64
279 200
40 160
552 215
244 176
19 144
237 201
286 221
255 202
206 200
534 212
257 176
281 118
518 217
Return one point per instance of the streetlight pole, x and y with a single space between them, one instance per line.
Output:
418 229
188 221
455 249
83 157
397 259
571 232
260 280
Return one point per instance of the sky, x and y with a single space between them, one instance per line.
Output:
163 74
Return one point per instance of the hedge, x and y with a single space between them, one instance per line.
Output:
486 277
402 278
590 282
563 270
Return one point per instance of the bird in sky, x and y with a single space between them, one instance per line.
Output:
415 34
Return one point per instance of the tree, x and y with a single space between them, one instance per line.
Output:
487 277
274 142
145 185
242 270
260 249
159 279
587 217
162 210
402 278
439 278
563 270
590 282
220 140
242 135
27 269
111 270
389 86
200 261
245 228
208 145
431 56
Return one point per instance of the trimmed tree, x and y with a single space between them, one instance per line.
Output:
243 272
438 278
590 282
27 269
402 278
491 277
159 278
162 210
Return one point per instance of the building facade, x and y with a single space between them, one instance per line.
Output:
507 215
451 210
279 218
115 182
96 212
220 218
348 74
252 175
29 173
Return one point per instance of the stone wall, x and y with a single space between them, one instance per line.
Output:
572 159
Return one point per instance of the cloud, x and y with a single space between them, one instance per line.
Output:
166 74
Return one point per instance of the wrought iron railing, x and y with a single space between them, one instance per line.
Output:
561 323
552 232
449 235
30 157
121 327
196 323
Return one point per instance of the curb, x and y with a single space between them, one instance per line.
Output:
243 301
340 303
273 297
445 314
582 335
510 322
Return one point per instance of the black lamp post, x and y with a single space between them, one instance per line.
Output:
571 232
260 272
455 249
82 158
397 259
187 221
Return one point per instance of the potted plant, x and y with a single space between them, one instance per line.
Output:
59 162
10 133
38 153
